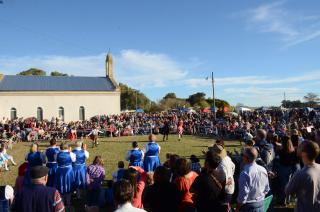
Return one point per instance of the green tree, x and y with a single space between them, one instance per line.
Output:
292 104
33 71
311 99
203 104
170 96
172 103
58 74
196 98
131 98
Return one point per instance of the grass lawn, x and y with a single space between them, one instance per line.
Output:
114 149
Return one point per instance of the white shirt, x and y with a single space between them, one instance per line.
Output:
115 175
226 171
8 192
127 207
94 132
86 153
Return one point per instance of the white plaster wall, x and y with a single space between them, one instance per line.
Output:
26 104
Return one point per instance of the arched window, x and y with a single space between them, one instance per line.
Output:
13 113
82 113
61 113
39 114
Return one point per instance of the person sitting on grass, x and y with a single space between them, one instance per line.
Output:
6 158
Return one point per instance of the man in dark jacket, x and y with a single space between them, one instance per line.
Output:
37 197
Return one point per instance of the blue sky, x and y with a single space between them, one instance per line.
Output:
257 49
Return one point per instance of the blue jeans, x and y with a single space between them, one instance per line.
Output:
252 207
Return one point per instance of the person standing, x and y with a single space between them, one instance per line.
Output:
166 130
123 193
73 134
207 188
79 166
305 184
135 156
152 151
253 183
162 195
94 136
51 154
185 178
34 158
65 176
6 197
95 176
180 129
36 197
225 172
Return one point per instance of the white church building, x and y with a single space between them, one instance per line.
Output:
69 98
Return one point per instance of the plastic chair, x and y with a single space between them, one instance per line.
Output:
267 202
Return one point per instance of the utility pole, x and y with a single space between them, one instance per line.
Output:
213 97
136 100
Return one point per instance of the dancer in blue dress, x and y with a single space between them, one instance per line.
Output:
51 154
135 156
34 158
79 166
64 180
152 151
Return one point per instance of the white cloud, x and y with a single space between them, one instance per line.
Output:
136 68
145 69
149 71
255 80
81 66
293 26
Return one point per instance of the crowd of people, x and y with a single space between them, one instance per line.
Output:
277 164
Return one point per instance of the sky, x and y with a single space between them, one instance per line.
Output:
257 50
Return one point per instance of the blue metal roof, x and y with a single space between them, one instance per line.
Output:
50 83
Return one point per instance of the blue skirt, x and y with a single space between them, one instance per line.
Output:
79 176
64 179
52 174
151 163
140 164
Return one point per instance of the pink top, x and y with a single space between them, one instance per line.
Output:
137 201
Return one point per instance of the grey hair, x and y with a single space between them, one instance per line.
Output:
79 143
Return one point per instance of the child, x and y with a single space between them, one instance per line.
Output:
5 158
117 175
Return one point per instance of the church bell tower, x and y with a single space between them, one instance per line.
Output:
109 71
